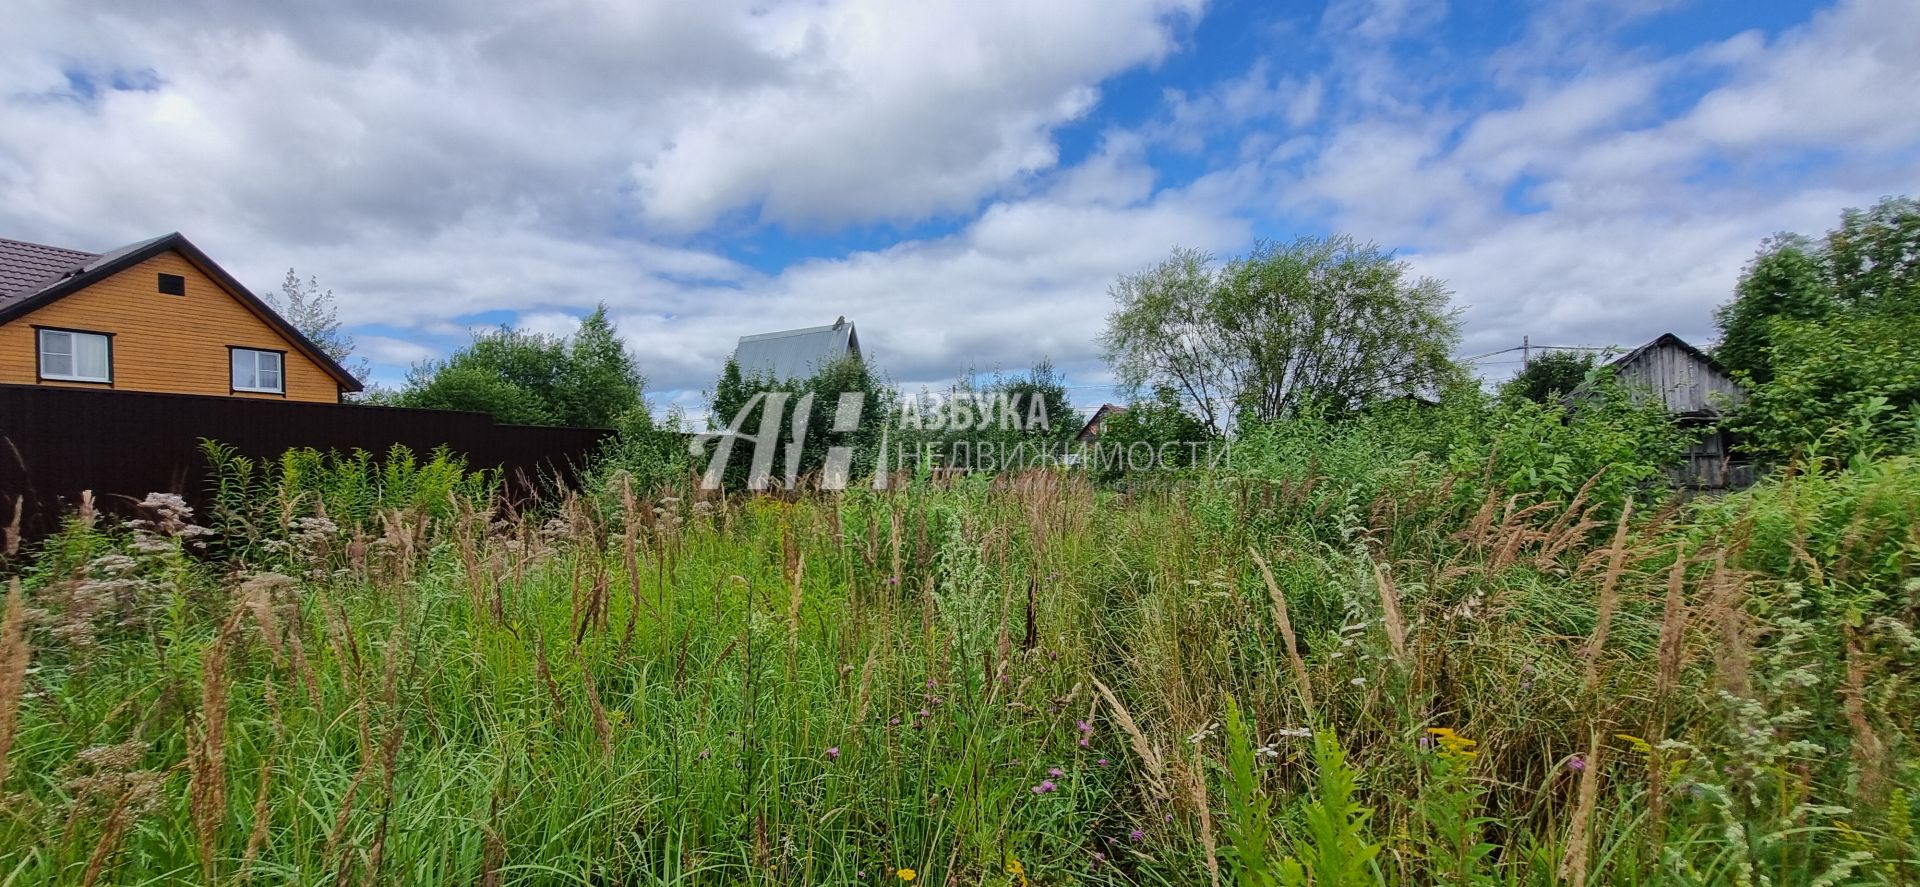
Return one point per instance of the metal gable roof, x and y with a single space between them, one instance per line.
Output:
796 354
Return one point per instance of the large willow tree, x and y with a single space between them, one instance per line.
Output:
1325 321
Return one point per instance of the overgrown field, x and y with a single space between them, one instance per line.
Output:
1339 664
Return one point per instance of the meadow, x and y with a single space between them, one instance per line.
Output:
1491 650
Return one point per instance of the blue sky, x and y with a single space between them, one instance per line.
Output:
962 179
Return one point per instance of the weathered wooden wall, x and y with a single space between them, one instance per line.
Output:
1685 382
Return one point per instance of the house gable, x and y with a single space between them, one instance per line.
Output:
162 342
1688 381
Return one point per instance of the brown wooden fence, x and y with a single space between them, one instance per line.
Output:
122 445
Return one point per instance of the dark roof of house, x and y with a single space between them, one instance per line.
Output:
26 268
33 276
796 354
1667 339
1090 430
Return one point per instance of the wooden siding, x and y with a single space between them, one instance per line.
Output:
171 344
1684 382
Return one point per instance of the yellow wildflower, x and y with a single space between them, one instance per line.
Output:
1452 744
906 874
1017 870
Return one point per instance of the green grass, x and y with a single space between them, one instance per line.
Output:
827 691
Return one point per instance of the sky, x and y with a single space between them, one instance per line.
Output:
964 179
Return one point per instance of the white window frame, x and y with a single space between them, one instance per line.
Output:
73 355
280 359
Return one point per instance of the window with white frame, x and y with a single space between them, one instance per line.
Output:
74 356
258 371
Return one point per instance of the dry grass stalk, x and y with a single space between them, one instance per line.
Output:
1474 534
1573 864
1396 624
11 543
207 750
1516 532
795 578
600 727
1286 632
389 760
345 814
630 550
13 670
262 810
256 596
1557 543
1869 753
1671 656
1567 515
1673 631
544 672
1197 793
596 613
1150 758
1609 600
495 853
1730 616
109 841
866 681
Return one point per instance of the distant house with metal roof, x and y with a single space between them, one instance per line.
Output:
796 354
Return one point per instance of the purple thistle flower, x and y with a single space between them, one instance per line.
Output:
1056 772
1098 858
1085 742
1084 727
833 754
1103 762
1045 786
1136 836
1577 764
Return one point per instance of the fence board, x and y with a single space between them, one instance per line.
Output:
122 445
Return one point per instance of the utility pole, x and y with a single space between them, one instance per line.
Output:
1526 351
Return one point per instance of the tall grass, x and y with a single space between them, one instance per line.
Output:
1322 672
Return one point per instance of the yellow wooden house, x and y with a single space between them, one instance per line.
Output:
151 316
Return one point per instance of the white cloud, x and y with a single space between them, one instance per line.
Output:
436 161
1628 224
391 351
431 162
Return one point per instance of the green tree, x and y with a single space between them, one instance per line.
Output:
1331 321
525 378
1177 438
1551 376
1847 381
600 386
1039 401
1785 281
312 311
1822 331
739 402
